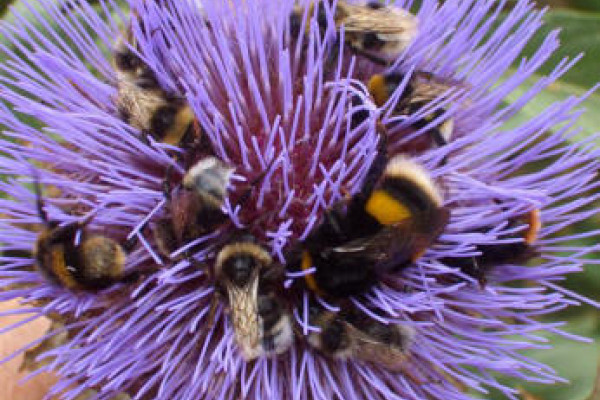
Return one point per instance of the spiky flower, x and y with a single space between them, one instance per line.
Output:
271 98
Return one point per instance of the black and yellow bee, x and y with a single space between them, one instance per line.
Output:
252 284
143 104
74 258
491 255
387 225
372 30
194 209
420 91
349 334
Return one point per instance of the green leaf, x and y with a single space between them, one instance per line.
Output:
588 5
558 91
580 32
574 361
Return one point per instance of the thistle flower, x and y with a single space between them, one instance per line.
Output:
267 99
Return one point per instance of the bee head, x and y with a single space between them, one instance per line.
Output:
238 262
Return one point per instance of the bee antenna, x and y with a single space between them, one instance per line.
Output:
380 161
166 184
246 195
39 202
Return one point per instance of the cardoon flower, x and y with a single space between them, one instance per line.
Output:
266 98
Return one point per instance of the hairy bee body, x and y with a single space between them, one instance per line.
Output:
194 209
350 335
250 279
144 105
386 226
421 89
373 30
491 255
72 257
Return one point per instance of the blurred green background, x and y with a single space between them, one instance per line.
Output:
579 21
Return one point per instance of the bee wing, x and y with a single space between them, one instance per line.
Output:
429 91
384 20
375 350
389 244
243 302
394 246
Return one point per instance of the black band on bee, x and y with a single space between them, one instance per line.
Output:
162 119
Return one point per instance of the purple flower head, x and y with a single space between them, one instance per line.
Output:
288 105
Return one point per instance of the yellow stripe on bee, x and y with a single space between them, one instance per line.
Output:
306 264
386 209
378 88
59 268
183 119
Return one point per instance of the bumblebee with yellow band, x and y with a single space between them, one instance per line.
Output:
71 257
144 105
372 30
421 89
384 227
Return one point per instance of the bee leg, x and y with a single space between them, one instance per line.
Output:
39 202
379 163
478 273
166 183
130 243
252 184
145 138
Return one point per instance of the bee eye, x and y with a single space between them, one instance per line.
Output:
374 5
162 120
126 61
372 41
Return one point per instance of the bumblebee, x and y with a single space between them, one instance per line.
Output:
421 89
72 257
350 335
373 30
194 209
386 226
250 280
144 105
491 255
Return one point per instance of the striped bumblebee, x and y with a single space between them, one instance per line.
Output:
76 259
194 209
387 225
491 255
144 105
421 89
372 30
252 282
351 335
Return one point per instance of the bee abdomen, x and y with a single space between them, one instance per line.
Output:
101 262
